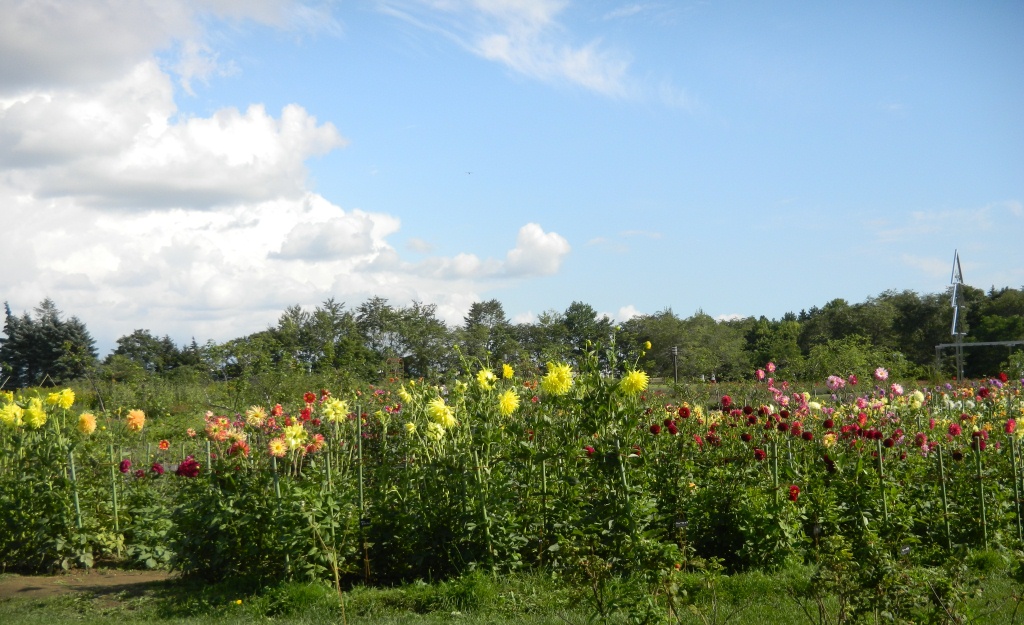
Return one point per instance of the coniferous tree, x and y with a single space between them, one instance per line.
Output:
45 349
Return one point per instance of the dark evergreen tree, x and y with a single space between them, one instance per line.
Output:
45 349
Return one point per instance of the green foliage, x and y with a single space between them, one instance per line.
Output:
44 349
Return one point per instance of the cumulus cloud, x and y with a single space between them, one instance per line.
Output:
130 214
626 313
730 317
536 252
80 42
120 144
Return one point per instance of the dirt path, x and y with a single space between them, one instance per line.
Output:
99 582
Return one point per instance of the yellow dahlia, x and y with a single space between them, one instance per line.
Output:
7 396
441 413
506 371
335 409
136 420
87 423
294 435
435 431
558 380
508 402
11 415
64 398
256 416
404 394
35 415
485 378
410 428
634 382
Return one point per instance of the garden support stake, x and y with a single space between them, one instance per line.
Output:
945 501
74 489
881 482
775 469
113 487
362 506
981 492
1016 486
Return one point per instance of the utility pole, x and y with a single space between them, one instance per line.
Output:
675 364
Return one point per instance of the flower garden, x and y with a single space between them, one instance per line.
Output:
587 474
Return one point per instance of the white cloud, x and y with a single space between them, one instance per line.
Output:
131 215
626 10
626 313
730 317
647 234
523 35
198 62
933 267
524 317
536 252
119 144
79 42
418 245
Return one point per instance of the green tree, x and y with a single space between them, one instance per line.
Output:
584 330
486 333
775 341
45 349
155 355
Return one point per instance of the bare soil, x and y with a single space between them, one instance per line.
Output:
103 583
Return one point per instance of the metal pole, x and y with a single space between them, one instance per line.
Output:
675 364
945 501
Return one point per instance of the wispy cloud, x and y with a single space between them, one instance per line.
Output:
626 10
990 217
932 267
524 35
647 234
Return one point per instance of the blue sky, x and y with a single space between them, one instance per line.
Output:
194 167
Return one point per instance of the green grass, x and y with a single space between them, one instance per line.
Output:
745 599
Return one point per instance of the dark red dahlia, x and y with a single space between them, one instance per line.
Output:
188 468
794 492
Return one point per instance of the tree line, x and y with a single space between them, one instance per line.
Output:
377 339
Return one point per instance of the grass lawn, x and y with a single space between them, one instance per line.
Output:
745 599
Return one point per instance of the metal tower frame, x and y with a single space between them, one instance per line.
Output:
957 301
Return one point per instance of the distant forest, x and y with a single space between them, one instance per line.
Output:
377 340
